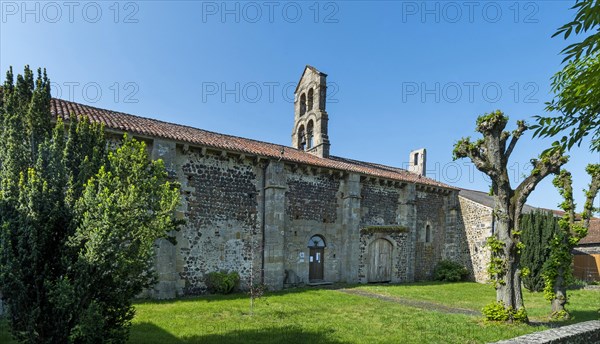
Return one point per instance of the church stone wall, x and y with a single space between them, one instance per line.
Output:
221 195
312 197
379 205
256 216
313 205
457 243
430 211
477 221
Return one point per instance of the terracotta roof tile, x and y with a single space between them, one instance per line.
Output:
154 128
593 236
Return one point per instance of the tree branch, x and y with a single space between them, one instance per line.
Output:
543 167
521 128
465 148
588 209
563 182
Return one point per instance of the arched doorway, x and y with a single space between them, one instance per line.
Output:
316 245
380 261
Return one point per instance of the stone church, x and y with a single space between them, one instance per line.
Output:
289 215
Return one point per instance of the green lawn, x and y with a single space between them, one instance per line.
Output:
583 304
330 316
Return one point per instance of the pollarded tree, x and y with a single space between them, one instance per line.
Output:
490 155
558 271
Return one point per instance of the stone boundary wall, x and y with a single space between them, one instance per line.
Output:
583 333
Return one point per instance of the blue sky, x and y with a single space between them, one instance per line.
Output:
402 74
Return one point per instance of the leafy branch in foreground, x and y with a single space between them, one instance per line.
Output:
576 87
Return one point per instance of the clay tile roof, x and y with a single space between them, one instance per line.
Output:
154 128
593 236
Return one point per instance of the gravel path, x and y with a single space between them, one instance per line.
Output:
431 306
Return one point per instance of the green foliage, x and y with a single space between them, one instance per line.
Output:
450 271
560 315
577 284
520 315
487 121
77 225
558 271
495 244
538 228
497 266
577 85
222 282
586 19
497 311
558 266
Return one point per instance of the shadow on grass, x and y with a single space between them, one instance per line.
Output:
150 333
579 315
409 284
295 290
244 295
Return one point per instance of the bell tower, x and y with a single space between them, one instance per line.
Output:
310 117
418 161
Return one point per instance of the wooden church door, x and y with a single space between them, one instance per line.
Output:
316 258
380 261
315 265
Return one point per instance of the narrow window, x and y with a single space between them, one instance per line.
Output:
301 138
309 135
302 104
427 233
310 99
416 159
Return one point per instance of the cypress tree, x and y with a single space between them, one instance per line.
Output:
538 228
77 223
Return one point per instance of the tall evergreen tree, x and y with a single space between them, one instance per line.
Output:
77 223
537 228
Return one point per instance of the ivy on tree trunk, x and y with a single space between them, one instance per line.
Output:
559 273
